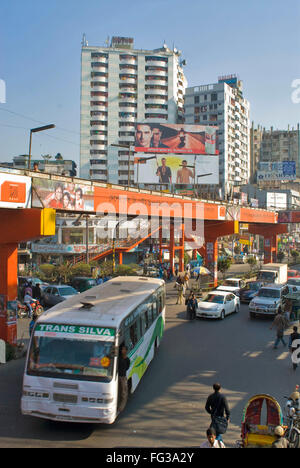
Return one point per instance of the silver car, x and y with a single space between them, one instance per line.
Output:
56 293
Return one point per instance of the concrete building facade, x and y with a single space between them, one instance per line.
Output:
224 105
120 86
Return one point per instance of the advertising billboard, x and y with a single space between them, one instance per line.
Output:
175 138
278 170
277 201
176 169
14 191
48 193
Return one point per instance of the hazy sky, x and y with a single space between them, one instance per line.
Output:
41 44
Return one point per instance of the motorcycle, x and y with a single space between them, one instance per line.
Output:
24 312
292 418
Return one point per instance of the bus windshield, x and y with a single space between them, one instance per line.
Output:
75 358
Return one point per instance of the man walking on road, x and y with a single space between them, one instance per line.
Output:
280 323
294 345
216 406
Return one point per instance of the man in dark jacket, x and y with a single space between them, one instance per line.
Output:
124 364
294 345
216 406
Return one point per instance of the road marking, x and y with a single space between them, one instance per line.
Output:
283 356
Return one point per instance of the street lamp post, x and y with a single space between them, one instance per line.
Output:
35 130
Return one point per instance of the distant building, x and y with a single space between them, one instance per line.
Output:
256 135
223 104
272 199
120 86
58 165
274 146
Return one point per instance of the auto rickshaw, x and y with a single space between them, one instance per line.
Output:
254 432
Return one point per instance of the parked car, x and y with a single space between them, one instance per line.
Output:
293 274
250 290
56 293
22 280
233 285
218 304
240 259
268 301
82 283
294 284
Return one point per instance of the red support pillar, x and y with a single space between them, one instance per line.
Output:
211 258
270 249
8 291
120 258
181 251
270 233
160 246
172 248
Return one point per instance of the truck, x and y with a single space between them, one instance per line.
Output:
275 273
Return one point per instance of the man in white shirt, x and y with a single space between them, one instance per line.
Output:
212 442
28 300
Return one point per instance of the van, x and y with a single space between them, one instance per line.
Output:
82 283
268 301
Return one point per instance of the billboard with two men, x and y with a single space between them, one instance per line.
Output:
184 154
176 138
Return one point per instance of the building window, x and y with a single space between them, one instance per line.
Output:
214 97
196 99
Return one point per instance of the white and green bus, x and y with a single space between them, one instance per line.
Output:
71 371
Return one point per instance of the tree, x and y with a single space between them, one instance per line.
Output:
252 262
295 255
224 265
64 272
81 269
47 272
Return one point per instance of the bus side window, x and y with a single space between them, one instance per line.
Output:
150 314
160 304
154 310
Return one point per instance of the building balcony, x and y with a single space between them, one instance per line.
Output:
128 61
156 61
156 100
100 87
126 139
157 92
96 57
99 146
99 108
156 118
99 126
98 177
156 72
158 81
99 166
127 80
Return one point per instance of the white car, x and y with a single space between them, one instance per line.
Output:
233 285
218 304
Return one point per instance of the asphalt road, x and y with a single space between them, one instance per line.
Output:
167 409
